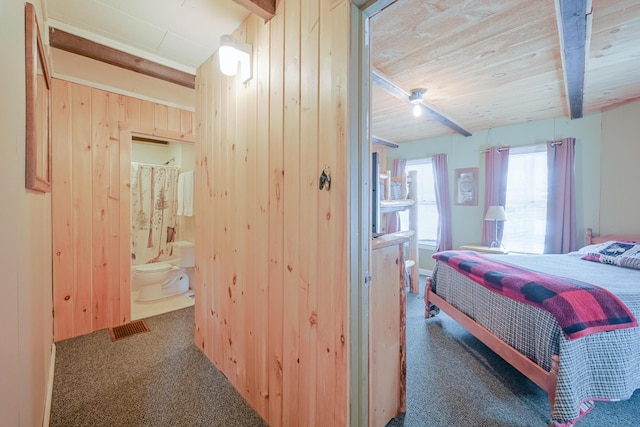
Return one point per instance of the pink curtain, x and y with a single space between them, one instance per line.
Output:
495 190
560 236
393 224
443 202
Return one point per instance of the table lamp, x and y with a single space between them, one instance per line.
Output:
495 214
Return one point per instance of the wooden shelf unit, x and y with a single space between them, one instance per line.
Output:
408 183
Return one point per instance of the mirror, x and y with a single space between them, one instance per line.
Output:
38 117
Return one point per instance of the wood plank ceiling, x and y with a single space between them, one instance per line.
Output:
488 63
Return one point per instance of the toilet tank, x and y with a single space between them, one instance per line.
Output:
185 251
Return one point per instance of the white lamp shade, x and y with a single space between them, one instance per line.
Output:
231 54
228 60
495 213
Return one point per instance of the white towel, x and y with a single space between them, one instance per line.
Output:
185 193
180 194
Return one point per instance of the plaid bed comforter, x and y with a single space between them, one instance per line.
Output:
600 366
579 308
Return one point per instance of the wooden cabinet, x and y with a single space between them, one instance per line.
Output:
387 327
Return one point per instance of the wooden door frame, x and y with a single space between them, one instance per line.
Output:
359 196
126 133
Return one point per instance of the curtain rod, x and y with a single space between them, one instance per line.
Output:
155 165
498 149
554 143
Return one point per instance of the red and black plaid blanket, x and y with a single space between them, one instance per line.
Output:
580 308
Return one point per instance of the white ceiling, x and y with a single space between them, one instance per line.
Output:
178 33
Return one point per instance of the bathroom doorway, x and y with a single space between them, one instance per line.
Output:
162 236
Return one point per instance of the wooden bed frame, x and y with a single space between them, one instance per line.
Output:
590 239
546 380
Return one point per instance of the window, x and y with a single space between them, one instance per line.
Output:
426 199
526 205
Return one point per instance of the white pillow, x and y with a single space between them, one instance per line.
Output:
631 260
592 249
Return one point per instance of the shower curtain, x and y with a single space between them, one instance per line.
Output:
154 203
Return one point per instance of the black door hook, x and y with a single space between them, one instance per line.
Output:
325 180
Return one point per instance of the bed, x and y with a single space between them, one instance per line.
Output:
575 367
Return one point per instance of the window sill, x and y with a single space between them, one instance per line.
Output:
429 246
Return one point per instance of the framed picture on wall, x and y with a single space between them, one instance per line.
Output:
466 187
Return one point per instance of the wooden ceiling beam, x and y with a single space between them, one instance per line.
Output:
574 28
383 82
265 9
384 142
84 47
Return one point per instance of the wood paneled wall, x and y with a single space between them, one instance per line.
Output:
91 154
271 258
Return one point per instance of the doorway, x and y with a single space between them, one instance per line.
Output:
162 237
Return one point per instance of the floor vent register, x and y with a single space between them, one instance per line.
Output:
128 330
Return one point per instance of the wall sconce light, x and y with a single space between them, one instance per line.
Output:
231 54
495 214
416 98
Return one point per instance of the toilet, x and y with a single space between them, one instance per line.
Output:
164 279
